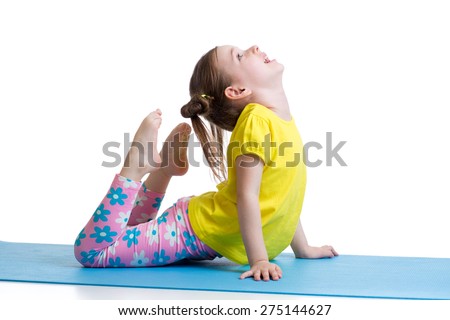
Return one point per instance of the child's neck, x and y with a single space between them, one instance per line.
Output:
277 102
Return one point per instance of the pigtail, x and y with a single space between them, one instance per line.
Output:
211 139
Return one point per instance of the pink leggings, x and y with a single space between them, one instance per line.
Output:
123 231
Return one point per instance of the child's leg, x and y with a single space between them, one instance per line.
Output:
170 238
173 163
146 206
109 239
109 221
112 215
163 241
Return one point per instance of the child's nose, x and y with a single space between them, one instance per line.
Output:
253 49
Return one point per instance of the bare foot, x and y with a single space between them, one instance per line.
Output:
174 151
143 156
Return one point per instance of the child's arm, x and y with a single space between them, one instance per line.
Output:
302 249
248 178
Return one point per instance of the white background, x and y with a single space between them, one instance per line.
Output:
75 75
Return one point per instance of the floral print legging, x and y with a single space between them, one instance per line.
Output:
125 232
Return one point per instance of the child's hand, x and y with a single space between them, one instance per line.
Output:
318 252
263 270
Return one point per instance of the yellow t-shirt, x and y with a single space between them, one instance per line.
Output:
277 142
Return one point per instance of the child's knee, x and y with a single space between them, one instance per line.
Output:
87 257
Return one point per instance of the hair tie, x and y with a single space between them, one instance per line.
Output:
206 96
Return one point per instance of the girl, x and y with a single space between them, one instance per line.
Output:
254 214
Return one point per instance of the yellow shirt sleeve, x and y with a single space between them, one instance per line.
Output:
251 137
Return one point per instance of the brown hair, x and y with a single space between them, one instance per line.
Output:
207 91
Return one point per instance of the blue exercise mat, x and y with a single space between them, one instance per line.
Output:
343 276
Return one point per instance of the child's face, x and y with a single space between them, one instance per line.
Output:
249 68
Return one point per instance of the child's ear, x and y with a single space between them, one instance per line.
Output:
235 93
